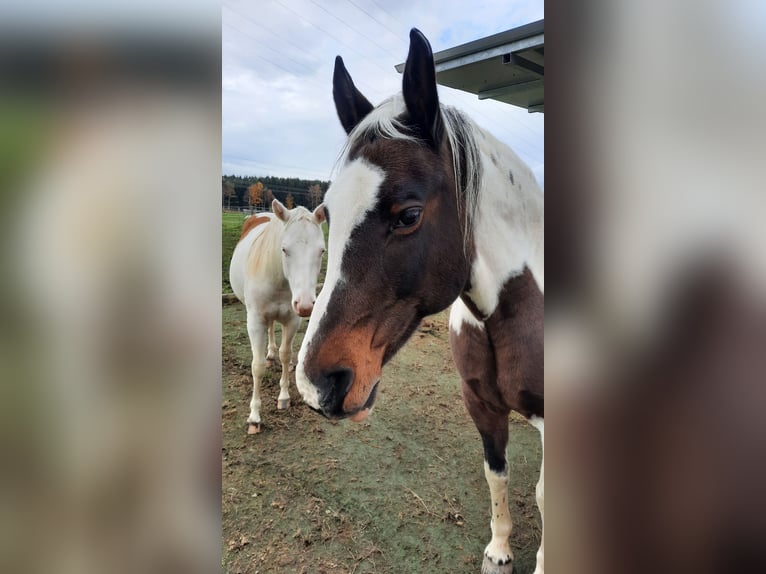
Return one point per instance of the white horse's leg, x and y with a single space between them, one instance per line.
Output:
256 329
498 556
272 352
285 354
540 491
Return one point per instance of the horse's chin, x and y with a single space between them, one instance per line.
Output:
362 414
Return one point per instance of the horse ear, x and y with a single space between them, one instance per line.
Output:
350 104
279 210
419 89
319 214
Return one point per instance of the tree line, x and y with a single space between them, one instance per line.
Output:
256 193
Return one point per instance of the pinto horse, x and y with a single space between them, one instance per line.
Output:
426 209
274 271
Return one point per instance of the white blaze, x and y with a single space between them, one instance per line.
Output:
349 199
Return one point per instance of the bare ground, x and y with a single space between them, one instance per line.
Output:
402 492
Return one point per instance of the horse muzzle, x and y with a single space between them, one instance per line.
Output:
335 395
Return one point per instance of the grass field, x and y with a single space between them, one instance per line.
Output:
231 227
404 492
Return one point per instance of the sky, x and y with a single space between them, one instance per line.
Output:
278 56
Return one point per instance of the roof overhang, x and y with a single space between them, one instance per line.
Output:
508 67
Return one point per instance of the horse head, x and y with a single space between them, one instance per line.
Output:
302 250
398 249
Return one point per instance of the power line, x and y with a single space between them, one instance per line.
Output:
299 48
387 13
331 35
266 46
291 72
374 18
353 29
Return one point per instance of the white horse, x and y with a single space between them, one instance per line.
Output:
274 272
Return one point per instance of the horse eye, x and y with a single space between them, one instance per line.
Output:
408 217
285 251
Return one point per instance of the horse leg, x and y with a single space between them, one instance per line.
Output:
492 425
272 352
285 355
539 491
256 329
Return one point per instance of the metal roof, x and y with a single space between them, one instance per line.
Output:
508 67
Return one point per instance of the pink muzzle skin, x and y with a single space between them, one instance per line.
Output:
303 309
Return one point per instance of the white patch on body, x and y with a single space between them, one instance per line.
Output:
508 226
349 199
239 258
460 314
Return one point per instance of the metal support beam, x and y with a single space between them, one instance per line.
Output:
508 89
522 62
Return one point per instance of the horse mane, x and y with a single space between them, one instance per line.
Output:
266 254
384 122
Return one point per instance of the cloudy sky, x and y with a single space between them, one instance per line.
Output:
278 55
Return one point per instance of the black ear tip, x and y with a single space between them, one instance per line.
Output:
339 72
418 36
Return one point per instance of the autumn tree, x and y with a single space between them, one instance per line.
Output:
289 201
255 195
228 193
315 195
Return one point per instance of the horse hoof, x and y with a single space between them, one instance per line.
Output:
253 428
489 567
283 404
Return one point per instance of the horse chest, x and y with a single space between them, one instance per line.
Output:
501 359
273 302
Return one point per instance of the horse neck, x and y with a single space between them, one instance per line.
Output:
508 232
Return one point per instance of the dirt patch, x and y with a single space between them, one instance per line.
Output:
402 492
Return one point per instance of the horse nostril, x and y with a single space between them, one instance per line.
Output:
334 386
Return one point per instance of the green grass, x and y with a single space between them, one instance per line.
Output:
231 228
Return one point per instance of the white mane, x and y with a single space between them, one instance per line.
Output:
383 122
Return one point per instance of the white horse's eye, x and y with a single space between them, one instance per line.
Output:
285 251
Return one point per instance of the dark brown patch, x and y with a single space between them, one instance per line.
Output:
253 222
501 365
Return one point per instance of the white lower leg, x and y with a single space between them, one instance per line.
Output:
540 491
283 401
256 330
272 351
499 548
285 354
259 369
